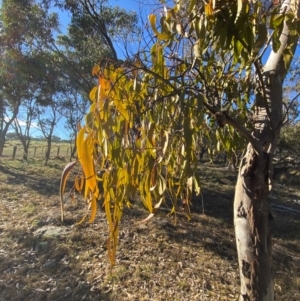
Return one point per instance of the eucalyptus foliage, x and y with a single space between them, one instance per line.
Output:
148 116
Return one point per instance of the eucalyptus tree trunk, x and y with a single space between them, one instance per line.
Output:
251 209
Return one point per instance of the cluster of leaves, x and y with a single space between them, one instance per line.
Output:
148 117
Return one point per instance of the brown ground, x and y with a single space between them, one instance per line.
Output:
158 260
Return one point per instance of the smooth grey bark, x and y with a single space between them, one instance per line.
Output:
251 208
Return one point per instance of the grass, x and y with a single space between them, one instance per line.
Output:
159 260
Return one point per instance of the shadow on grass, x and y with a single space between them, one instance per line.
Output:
35 268
214 210
41 182
211 232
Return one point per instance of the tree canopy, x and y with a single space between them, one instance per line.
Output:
198 80
41 64
215 71
26 32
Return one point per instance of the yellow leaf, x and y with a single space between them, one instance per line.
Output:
189 184
121 108
165 142
158 204
151 133
107 202
197 187
161 36
179 28
196 49
87 164
81 182
164 145
151 215
93 94
242 7
104 88
95 70
89 118
79 142
209 8
76 184
122 178
153 178
146 219
147 194
162 185
126 140
105 148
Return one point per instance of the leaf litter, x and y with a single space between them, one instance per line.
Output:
157 260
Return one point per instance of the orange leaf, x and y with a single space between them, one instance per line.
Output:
95 70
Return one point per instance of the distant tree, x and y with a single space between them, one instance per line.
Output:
94 28
56 138
288 152
48 117
96 23
11 136
23 126
26 29
74 108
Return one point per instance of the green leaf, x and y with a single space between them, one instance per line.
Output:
196 49
238 48
287 58
262 36
192 5
276 21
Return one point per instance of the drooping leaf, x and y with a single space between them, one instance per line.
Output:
121 108
94 94
161 36
151 215
276 20
63 180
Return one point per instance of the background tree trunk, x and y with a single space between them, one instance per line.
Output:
251 209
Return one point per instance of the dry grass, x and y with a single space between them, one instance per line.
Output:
159 260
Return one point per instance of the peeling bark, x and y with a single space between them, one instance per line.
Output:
253 236
251 208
